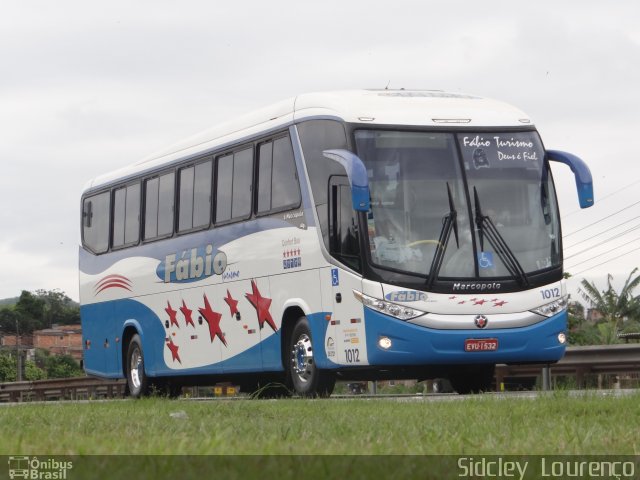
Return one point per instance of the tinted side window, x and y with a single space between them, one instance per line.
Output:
159 198
242 180
343 224
223 188
185 214
132 220
119 215
195 196
165 204
234 182
151 208
126 215
316 136
265 159
285 187
278 180
202 195
95 229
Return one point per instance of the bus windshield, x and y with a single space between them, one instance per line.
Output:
494 189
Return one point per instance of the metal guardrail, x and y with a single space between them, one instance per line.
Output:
578 362
77 388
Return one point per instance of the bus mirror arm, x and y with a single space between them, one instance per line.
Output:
357 175
584 182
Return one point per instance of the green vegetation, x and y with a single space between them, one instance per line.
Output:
550 424
45 366
36 311
619 312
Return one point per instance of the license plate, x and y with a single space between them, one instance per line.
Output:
480 344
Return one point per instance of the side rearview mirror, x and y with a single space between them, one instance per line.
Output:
357 175
584 182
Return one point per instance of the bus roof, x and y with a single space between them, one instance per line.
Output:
433 108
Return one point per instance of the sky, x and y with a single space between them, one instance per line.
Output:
88 87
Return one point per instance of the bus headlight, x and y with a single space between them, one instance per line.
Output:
562 338
551 309
392 309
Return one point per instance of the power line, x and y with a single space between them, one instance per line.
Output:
603 232
615 237
603 253
600 264
602 219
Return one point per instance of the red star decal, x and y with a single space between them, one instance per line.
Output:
500 303
174 350
213 319
233 304
479 302
172 315
261 304
187 314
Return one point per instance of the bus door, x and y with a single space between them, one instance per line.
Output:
348 313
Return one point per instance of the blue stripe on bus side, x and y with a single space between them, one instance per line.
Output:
101 321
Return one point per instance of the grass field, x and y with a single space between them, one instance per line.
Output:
550 424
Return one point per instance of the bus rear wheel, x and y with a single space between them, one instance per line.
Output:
307 379
137 380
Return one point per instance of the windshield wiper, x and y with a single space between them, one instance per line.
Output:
449 223
487 229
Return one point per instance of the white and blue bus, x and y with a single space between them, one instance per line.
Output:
347 235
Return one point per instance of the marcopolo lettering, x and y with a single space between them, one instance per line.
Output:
476 286
406 296
192 265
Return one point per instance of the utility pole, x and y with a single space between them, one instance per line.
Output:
18 354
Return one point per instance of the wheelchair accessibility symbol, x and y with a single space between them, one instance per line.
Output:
485 259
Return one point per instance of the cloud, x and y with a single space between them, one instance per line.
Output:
90 88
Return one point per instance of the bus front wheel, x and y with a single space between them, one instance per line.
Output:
137 380
307 379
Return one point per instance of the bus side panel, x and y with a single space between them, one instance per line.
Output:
95 331
303 290
103 324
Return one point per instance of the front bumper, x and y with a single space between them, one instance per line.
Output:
417 345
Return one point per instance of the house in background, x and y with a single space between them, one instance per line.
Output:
60 340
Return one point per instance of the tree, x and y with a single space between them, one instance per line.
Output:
39 310
9 320
33 372
57 366
7 367
615 307
30 310
62 366
57 308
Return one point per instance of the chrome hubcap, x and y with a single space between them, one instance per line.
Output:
135 368
302 358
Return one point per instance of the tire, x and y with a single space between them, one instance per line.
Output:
137 380
306 378
472 379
